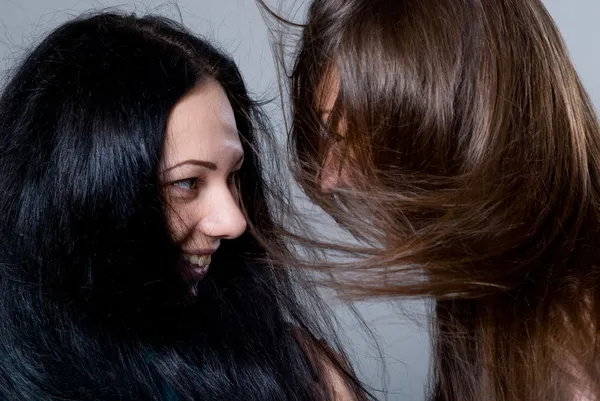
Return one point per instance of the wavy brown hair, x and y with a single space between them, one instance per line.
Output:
473 157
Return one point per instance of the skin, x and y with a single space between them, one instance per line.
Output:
202 154
334 175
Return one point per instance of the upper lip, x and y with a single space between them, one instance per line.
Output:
200 252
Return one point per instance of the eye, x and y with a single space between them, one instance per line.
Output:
189 184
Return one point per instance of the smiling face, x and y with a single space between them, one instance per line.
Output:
202 155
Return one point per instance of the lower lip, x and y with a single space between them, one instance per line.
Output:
195 272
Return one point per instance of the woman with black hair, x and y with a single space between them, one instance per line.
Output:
131 189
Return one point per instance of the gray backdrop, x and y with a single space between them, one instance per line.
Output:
238 27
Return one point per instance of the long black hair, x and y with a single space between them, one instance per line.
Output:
91 306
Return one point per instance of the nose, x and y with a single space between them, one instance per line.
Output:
225 219
333 175
330 179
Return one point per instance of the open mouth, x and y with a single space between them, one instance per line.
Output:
197 266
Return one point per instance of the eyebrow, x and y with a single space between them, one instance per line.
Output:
209 165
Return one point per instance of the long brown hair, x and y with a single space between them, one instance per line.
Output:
473 154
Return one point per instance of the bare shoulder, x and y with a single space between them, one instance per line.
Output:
334 369
340 389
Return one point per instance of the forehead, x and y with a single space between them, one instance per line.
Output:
327 89
202 122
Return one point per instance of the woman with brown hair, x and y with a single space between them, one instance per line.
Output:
454 138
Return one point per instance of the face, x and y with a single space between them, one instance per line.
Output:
334 175
202 155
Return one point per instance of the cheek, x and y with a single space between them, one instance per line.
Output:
335 174
330 173
182 218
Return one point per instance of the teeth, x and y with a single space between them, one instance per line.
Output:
200 260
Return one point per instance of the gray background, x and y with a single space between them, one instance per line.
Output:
237 26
